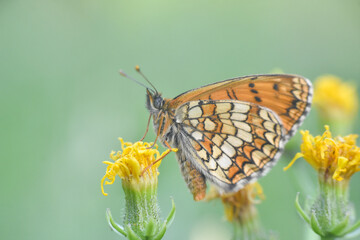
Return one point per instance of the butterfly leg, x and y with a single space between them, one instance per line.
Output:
158 132
194 179
147 128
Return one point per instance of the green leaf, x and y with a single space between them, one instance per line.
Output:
300 210
113 225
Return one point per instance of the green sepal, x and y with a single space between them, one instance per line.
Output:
300 210
113 225
150 228
131 235
315 225
339 229
167 222
161 232
171 215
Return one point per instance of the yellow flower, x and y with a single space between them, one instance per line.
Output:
132 161
334 97
337 157
239 206
137 166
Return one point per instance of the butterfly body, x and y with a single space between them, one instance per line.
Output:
231 132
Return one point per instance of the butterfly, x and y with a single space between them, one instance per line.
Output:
232 132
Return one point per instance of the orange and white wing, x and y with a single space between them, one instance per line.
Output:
289 96
230 142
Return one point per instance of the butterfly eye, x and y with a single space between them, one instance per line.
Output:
158 102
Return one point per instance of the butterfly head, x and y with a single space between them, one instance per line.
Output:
154 101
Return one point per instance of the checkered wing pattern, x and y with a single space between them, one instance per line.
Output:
231 142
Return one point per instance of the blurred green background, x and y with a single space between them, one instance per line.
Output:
63 103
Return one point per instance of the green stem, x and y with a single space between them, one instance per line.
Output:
248 228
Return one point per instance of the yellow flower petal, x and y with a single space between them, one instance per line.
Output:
239 206
339 157
131 162
297 156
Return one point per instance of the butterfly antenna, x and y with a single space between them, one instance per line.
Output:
137 68
133 79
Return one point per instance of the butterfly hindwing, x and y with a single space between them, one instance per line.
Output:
230 142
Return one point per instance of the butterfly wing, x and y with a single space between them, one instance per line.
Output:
289 96
230 142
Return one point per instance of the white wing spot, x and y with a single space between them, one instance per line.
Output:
296 80
244 126
202 154
241 107
194 122
269 126
224 115
268 149
223 107
209 125
297 94
224 161
216 152
227 122
197 135
217 139
264 115
270 137
257 156
228 129
246 136
211 164
297 86
195 112
236 142
238 116
228 149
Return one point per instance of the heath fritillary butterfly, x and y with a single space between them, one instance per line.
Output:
232 132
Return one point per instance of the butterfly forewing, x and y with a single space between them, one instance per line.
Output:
233 142
289 96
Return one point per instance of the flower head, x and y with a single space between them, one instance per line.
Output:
336 160
336 157
335 98
239 205
137 166
132 161
240 210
